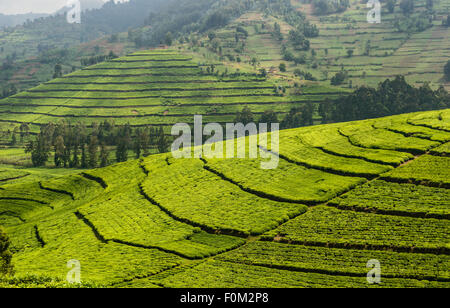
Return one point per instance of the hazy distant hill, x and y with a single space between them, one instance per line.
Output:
85 5
14 20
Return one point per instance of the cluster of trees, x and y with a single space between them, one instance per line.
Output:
407 7
297 117
323 7
306 75
289 56
182 17
97 59
412 24
339 78
23 130
6 268
390 98
8 63
447 71
298 39
76 146
9 90
446 21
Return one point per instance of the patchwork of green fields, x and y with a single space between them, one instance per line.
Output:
380 51
315 221
159 87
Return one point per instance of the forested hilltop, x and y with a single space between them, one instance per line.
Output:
322 40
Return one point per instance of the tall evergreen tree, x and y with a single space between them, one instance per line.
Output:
6 267
93 149
163 143
103 156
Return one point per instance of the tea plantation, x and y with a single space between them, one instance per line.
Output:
160 87
342 194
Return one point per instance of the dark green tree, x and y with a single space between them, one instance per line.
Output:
84 162
6 268
447 71
59 150
58 71
269 116
407 7
245 116
103 156
163 143
93 149
390 4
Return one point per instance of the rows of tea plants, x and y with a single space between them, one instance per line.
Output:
363 134
427 169
329 139
442 150
116 175
295 150
66 237
288 181
328 226
436 120
233 275
8 174
218 205
127 217
397 199
340 261
400 125
173 82
33 192
75 186
152 86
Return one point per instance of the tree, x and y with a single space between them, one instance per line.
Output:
447 71
429 5
339 78
349 53
103 156
92 149
137 146
84 163
245 116
163 143
58 71
446 21
277 32
407 7
6 268
145 142
13 139
263 72
390 5
168 39
39 149
282 67
75 160
269 116
59 150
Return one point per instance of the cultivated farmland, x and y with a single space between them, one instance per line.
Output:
160 87
342 194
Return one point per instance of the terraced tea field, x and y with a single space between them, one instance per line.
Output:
343 194
380 51
160 87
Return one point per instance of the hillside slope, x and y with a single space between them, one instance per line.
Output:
342 194
158 87
378 51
